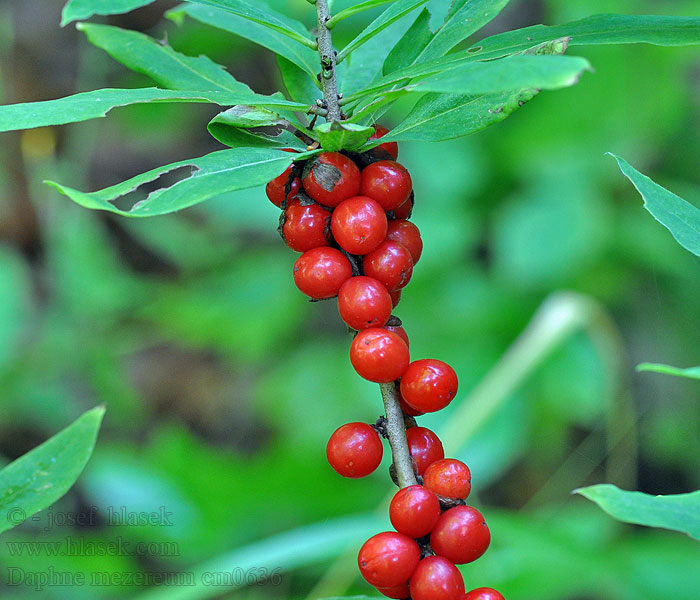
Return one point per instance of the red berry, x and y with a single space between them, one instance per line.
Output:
391 263
305 227
425 447
484 593
331 178
436 578
379 355
363 302
414 510
461 535
359 224
405 210
388 559
354 450
407 409
448 477
406 234
399 592
398 330
387 182
320 272
395 297
391 147
275 189
429 384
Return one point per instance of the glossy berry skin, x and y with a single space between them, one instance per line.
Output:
388 559
354 450
395 297
306 227
448 477
398 592
363 302
398 330
275 188
429 384
379 355
359 224
408 235
436 578
484 593
407 410
460 535
392 148
414 510
332 178
320 272
387 182
425 447
405 210
391 263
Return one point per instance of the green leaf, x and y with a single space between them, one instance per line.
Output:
337 136
229 127
595 30
691 373
92 105
464 18
160 62
407 49
300 86
212 175
77 10
391 14
302 56
40 477
261 14
514 73
354 10
679 512
681 218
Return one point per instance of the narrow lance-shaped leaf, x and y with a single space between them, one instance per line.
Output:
299 85
680 512
92 105
43 475
407 49
304 57
691 373
77 10
391 14
681 218
596 30
268 128
210 176
160 62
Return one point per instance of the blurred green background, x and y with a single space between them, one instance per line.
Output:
223 384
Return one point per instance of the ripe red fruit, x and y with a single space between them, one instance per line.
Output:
331 178
399 592
359 224
387 182
484 593
400 331
305 227
275 189
407 409
363 302
391 147
406 234
388 559
460 535
391 263
425 447
436 578
448 477
429 384
414 510
354 450
379 355
320 272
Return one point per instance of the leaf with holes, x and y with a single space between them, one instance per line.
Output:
338 136
250 126
43 475
680 512
212 175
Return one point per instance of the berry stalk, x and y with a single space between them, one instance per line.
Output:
327 53
396 430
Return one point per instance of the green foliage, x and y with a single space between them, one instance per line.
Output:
691 373
681 218
680 512
338 136
75 10
39 478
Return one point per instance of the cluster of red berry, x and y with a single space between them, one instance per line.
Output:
348 215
